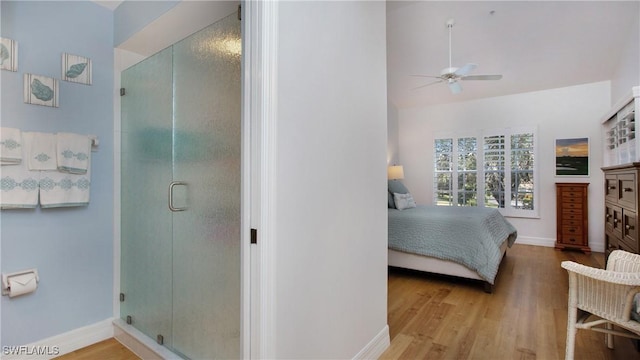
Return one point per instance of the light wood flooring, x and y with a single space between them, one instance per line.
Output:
438 317
109 349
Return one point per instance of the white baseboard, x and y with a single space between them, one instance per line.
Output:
524 240
596 246
376 347
139 343
61 344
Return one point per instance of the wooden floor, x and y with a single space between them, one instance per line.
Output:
109 349
438 317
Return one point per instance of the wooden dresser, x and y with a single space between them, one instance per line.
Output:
572 216
621 207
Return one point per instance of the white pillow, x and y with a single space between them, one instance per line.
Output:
403 201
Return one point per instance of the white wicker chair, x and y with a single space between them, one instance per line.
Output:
607 294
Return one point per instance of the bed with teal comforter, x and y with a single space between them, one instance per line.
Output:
470 236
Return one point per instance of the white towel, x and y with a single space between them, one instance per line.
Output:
18 185
58 189
73 152
42 152
10 146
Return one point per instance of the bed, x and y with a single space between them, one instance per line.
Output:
467 242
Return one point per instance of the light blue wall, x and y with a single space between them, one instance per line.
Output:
73 247
132 16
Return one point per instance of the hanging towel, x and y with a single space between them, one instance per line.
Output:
59 189
73 152
42 152
19 186
10 146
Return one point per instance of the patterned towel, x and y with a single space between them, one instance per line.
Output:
73 153
18 185
58 189
10 146
42 152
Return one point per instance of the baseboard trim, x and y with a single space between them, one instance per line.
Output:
596 246
525 240
376 347
139 343
63 343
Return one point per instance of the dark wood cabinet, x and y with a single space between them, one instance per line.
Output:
621 207
572 216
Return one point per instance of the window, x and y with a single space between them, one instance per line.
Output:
506 171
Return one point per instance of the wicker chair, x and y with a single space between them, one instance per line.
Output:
607 294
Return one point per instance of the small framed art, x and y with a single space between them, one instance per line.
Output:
8 54
572 157
40 90
76 69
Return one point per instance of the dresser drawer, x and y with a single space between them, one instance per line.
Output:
572 211
570 239
573 189
571 196
627 183
572 215
571 230
571 222
611 187
630 230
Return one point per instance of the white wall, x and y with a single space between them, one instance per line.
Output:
569 112
627 74
331 222
71 247
392 134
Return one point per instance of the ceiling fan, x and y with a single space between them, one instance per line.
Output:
451 75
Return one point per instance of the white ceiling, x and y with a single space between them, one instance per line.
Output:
535 45
109 4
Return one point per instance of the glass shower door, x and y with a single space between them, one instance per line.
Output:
181 182
146 170
207 145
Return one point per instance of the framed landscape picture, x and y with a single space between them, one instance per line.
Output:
572 157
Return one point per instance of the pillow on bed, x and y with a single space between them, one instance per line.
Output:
403 201
395 186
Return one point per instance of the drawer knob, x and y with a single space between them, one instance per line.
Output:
628 227
627 189
611 187
615 221
607 216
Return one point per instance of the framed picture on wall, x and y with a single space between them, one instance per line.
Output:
40 90
76 69
572 157
8 54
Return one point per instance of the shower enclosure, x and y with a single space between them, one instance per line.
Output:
180 206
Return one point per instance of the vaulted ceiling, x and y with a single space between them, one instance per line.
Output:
535 45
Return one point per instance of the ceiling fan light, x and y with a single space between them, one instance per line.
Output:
454 86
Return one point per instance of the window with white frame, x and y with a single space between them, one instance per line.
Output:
496 169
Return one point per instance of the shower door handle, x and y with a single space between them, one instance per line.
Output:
171 186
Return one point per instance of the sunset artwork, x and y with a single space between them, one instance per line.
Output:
572 157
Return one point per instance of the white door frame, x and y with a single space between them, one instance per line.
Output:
260 55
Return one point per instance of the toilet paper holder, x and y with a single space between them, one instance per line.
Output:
6 285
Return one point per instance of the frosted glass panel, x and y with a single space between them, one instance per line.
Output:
206 247
146 246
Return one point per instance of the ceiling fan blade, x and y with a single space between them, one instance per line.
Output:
427 76
425 85
482 77
455 87
466 69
